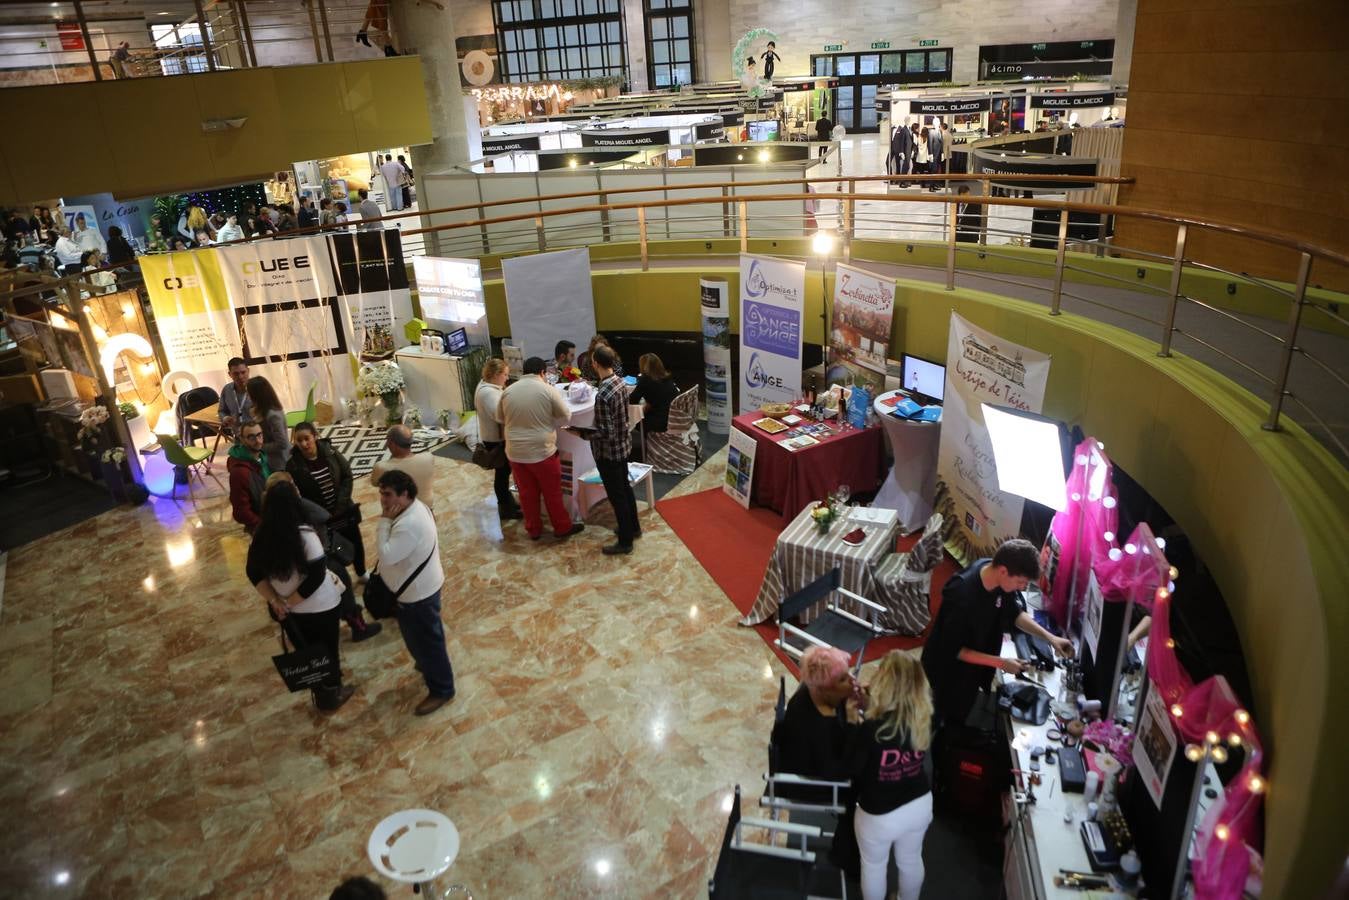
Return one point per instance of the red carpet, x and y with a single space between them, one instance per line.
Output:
733 544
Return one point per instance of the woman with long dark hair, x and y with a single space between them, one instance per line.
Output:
287 566
267 410
323 476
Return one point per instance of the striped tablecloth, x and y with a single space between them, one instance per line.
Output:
803 554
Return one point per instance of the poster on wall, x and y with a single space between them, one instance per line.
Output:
549 298
859 339
1155 745
372 283
293 327
716 306
193 313
740 467
772 304
450 293
981 368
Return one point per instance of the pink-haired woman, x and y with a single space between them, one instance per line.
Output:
812 738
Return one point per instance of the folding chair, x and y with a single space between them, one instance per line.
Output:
837 627
747 868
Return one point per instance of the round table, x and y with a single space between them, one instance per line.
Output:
913 478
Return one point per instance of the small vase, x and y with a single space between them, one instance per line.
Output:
393 404
113 480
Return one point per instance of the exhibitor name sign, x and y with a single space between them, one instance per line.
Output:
1073 101
949 107
651 138
522 143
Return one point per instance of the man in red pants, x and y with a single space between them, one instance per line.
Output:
531 411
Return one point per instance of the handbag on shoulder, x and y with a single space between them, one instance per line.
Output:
491 459
380 601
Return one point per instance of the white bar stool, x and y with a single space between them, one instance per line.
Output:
414 846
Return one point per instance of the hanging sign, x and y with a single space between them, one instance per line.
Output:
833 48
716 306
772 304
981 368
928 43
949 106
513 143
880 45
654 137
1080 100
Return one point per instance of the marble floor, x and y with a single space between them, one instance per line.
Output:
606 709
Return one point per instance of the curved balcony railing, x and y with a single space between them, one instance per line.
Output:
968 239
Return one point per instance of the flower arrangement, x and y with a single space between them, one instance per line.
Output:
116 455
413 418
379 378
569 374
92 418
1112 738
444 418
823 514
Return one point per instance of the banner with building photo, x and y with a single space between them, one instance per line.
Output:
193 313
864 305
772 305
981 368
293 328
372 283
451 296
716 306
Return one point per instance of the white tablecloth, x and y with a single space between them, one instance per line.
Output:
913 478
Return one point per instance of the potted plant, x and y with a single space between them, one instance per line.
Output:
114 476
385 381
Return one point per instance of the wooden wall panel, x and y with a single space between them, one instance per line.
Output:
1237 114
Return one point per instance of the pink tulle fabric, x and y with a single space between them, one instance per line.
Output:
1138 570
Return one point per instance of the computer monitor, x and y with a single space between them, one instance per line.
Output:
921 376
456 341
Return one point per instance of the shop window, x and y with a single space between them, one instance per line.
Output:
669 42
890 63
824 65
915 62
555 40
939 60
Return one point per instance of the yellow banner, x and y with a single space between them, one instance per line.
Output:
193 312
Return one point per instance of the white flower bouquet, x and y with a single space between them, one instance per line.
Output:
379 378
91 425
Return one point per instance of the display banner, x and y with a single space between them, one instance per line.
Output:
981 368
450 293
549 298
651 137
372 283
949 106
740 466
864 305
510 143
772 304
712 131
1081 100
716 305
193 313
294 329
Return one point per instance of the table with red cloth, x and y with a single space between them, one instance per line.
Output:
786 480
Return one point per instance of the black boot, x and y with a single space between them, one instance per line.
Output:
362 39
390 51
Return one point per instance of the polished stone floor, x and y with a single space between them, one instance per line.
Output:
606 709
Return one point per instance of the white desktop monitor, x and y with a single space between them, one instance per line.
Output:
921 376
1028 455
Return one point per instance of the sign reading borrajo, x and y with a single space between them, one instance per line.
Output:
772 304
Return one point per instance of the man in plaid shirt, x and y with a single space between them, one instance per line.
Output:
611 445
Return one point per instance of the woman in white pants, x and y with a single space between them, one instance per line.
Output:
889 767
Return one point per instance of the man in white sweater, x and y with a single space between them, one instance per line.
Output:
409 559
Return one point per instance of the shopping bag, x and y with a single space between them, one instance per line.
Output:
307 667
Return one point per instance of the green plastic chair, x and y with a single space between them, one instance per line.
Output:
189 458
302 415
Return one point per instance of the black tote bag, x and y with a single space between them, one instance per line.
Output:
306 667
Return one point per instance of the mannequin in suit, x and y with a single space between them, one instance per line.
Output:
901 149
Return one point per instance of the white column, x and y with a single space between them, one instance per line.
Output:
1124 41
634 19
429 32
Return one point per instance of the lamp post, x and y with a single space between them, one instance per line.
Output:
823 245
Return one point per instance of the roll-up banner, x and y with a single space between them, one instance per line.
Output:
772 305
950 106
649 137
712 131
1082 100
193 313
293 328
716 306
860 325
994 162
510 143
981 368
372 282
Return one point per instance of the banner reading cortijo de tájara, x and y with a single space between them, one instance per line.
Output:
981 368
772 303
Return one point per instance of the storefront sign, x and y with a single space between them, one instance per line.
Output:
772 304
1047 69
716 305
1081 100
626 138
981 367
817 84
953 106
510 144
712 131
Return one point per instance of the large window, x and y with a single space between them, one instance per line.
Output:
179 48
669 43
554 40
